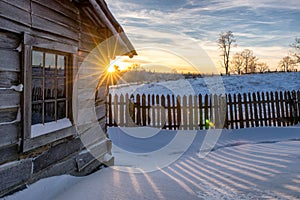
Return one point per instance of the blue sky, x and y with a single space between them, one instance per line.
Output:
267 27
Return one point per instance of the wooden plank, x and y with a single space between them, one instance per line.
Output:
158 110
196 112
260 112
138 110
144 110
278 117
15 173
236 119
251 116
22 4
51 27
273 108
230 118
122 107
8 79
269 109
282 109
256 119
216 111
178 108
14 13
184 112
8 114
163 112
169 110
153 109
264 106
9 60
51 14
190 112
9 133
13 26
201 123
9 40
246 109
9 98
240 110
110 116
116 111
8 153
62 6
32 143
205 110
149 110
55 154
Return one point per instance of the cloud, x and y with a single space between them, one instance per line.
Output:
266 26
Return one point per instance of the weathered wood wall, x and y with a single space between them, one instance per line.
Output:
48 24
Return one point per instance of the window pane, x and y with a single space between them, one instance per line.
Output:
36 89
49 112
61 88
61 110
37 63
50 64
36 115
49 88
61 66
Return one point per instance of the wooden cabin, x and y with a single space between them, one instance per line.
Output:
53 55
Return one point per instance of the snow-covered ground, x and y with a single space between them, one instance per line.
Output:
256 163
216 85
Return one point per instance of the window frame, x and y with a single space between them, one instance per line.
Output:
31 43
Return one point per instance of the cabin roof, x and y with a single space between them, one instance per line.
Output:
105 17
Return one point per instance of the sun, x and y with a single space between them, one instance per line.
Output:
111 69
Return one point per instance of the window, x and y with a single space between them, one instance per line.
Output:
49 92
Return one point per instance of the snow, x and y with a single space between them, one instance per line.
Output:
41 129
254 163
216 85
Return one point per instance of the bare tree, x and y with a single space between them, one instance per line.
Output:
250 60
287 63
262 67
237 63
296 46
225 42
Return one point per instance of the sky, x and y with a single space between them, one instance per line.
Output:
187 30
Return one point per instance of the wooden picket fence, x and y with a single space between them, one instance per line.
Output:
204 111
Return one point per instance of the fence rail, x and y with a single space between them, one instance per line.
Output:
235 111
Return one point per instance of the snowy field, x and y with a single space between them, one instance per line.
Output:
216 85
253 163
257 163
